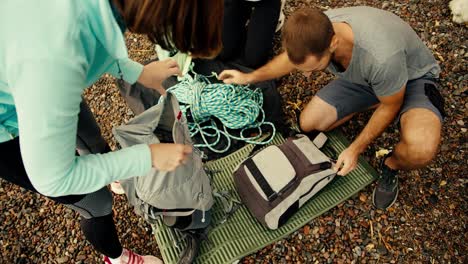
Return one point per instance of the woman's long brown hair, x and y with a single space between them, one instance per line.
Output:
192 26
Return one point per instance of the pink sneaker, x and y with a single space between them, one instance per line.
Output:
128 257
117 188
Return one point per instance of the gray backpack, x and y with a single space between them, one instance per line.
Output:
275 182
185 192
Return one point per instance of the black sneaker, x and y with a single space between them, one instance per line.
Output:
386 191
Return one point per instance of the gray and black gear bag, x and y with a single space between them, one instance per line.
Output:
184 192
276 181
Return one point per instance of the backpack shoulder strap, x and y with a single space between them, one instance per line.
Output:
262 182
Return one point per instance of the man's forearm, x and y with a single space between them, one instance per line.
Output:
382 117
276 68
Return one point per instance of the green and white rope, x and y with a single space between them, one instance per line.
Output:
236 106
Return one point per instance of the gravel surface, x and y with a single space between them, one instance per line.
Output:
426 225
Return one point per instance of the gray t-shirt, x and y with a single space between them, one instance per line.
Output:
387 53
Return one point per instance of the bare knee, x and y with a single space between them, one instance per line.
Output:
420 154
311 123
421 133
317 115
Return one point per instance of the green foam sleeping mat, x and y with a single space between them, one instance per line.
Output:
241 234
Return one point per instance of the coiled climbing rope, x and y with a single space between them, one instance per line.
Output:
236 106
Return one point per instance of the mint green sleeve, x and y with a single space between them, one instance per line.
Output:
131 70
47 94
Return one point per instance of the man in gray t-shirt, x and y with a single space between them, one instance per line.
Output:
381 64
386 53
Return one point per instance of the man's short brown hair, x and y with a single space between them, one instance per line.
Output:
188 25
307 32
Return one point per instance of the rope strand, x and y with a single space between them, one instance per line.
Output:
236 106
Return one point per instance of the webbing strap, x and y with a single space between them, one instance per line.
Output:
262 182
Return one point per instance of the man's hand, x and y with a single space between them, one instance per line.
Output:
348 159
156 72
234 77
166 157
383 115
278 67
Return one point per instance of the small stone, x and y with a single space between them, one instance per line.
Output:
62 260
338 232
315 230
433 199
357 251
364 224
382 250
322 230
363 197
369 247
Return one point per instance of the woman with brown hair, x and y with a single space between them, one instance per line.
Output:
50 51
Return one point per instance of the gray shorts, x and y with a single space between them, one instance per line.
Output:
349 98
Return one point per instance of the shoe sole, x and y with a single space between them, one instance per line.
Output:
189 254
117 188
390 205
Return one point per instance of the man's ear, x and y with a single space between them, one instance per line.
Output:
333 44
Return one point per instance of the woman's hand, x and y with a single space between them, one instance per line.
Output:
166 157
234 77
156 72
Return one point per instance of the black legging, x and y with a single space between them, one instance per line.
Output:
95 208
253 43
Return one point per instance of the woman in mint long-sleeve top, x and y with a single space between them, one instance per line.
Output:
50 51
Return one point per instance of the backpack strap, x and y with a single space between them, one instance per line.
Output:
262 182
